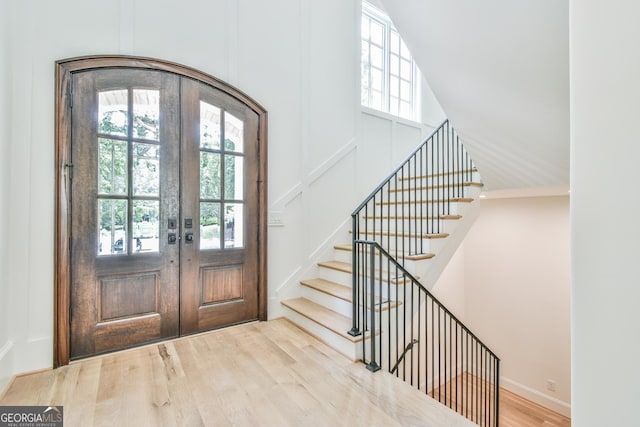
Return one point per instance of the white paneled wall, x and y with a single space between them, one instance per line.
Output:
299 59
5 147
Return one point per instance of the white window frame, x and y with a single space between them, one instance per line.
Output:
389 80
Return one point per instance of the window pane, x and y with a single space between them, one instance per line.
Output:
112 112
112 166
210 134
233 174
365 52
209 175
406 70
377 33
233 225
394 86
364 95
376 100
377 57
364 29
233 133
376 79
209 225
406 110
394 65
146 169
394 42
146 114
146 215
393 105
405 90
112 226
365 76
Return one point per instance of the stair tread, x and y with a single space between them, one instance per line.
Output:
343 292
323 316
431 187
414 218
331 288
411 235
413 202
337 265
345 267
442 174
412 257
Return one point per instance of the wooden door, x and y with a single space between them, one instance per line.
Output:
125 193
162 200
220 200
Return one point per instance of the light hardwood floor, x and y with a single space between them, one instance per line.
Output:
260 374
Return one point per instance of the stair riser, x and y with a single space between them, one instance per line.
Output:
420 209
454 178
388 292
336 276
422 193
410 265
408 245
329 301
413 222
411 226
352 350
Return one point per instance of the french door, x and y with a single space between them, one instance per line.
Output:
161 196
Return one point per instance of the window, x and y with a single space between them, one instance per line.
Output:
389 74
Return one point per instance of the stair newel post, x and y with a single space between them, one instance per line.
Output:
372 365
355 324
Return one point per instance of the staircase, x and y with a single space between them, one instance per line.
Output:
401 239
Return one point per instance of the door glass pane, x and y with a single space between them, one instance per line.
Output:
112 168
209 126
209 175
209 225
233 174
146 214
112 226
233 225
146 169
233 133
146 114
112 112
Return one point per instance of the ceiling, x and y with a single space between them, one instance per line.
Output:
500 71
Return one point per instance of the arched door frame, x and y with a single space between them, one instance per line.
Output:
62 260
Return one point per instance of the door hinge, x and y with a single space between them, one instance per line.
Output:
69 169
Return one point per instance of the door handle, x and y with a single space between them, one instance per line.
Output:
188 237
172 238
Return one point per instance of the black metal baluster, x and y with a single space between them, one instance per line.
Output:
419 337
372 366
457 368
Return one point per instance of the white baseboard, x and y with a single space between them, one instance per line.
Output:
545 400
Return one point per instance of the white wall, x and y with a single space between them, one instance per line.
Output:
298 58
5 147
514 265
450 286
605 231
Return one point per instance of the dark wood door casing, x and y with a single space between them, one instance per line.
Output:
65 70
